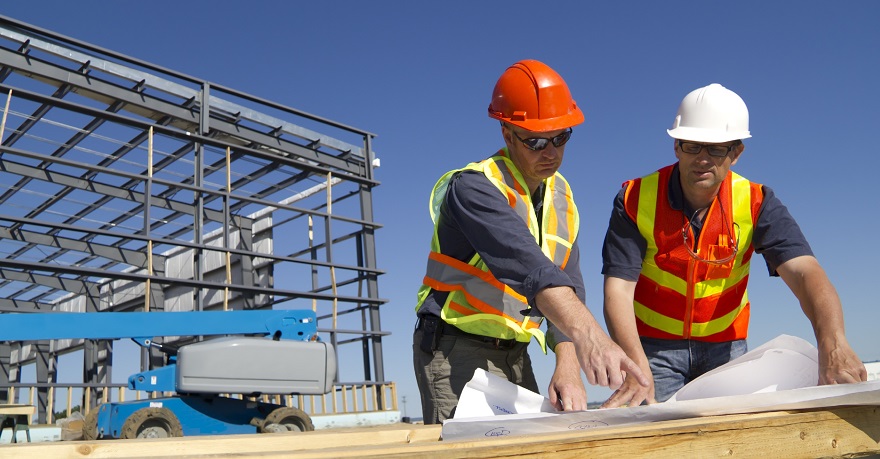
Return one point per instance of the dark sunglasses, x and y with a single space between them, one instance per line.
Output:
540 143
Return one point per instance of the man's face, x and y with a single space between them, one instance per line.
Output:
535 165
702 171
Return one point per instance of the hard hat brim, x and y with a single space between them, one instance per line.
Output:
572 119
706 135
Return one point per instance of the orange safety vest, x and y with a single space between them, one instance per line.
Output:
677 295
478 302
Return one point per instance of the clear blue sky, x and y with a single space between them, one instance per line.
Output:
420 74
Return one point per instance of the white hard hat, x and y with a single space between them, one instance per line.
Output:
712 114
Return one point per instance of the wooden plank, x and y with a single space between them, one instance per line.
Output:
17 409
16 417
851 431
252 445
831 432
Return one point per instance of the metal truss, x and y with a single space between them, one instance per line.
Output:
125 186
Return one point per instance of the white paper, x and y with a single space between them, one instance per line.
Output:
785 362
779 375
488 395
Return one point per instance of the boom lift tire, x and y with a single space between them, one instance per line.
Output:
90 425
287 419
152 423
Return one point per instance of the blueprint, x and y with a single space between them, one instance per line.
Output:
779 375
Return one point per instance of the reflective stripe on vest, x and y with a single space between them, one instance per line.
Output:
478 302
678 296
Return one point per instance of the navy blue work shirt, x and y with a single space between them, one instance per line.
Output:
476 218
777 236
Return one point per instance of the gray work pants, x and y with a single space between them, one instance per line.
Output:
442 375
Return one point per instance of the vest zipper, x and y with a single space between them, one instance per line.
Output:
692 272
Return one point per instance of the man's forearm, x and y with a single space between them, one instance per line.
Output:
838 362
620 318
817 296
601 359
562 307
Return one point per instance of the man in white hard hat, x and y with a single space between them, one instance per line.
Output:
677 254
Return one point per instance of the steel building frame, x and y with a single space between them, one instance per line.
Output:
125 186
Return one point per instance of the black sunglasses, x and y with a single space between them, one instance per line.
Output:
540 143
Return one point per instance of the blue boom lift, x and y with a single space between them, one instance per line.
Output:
281 355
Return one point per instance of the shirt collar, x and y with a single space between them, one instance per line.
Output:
676 195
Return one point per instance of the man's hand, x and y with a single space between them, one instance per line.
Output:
601 359
605 363
631 393
839 364
567 392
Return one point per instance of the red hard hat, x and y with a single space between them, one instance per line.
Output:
533 96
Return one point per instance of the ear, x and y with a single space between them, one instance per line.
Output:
735 154
507 135
675 149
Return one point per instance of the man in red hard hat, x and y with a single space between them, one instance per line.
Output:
504 255
677 255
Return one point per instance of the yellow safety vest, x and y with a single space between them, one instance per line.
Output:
479 303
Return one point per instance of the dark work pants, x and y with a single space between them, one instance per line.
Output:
442 375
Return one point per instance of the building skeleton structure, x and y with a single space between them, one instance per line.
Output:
125 186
